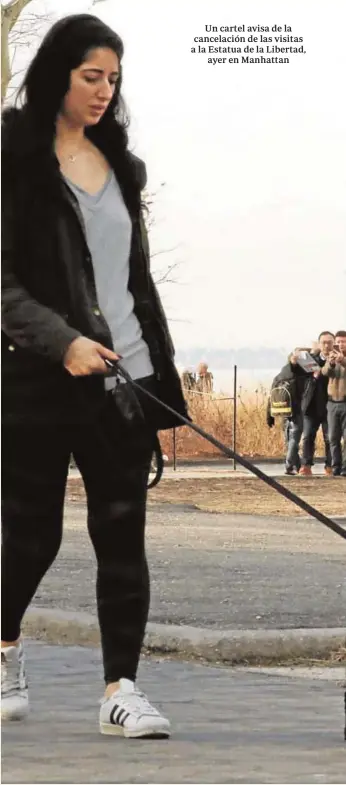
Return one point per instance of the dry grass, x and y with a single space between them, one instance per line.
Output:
339 656
248 495
254 438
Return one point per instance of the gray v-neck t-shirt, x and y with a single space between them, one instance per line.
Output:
108 230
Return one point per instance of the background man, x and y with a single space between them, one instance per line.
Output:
314 407
294 378
335 370
188 379
205 379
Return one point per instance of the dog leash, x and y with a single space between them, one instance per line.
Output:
333 525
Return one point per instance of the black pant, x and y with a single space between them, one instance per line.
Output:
310 429
337 432
114 459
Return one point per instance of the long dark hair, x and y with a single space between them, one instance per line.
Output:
47 80
63 49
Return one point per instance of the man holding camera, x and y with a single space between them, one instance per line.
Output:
335 370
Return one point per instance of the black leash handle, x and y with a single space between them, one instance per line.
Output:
335 527
159 463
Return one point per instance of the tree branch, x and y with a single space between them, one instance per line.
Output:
12 11
18 32
163 250
165 275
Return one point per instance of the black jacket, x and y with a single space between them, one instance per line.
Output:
48 287
313 392
297 379
315 403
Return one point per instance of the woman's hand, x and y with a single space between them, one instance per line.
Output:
84 357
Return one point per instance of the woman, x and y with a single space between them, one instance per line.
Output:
77 291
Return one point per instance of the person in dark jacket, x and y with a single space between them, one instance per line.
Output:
314 407
77 291
188 380
295 378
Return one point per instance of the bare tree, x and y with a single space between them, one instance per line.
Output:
9 17
167 273
18 31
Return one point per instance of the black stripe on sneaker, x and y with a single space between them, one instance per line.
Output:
125 718
111 718
120 716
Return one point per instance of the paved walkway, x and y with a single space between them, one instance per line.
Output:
229 726
217 570
220 468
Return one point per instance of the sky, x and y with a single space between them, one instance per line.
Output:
252 157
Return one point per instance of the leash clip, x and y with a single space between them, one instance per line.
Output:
113 369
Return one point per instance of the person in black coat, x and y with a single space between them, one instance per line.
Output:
309 398
314 407
77 291
295 378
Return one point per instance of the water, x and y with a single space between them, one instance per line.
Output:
247 378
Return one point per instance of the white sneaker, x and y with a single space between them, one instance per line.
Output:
14 688
128 713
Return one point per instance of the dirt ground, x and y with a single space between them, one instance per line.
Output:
251 496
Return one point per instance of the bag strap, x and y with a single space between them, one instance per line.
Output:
157 451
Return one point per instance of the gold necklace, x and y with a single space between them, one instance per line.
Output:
72 157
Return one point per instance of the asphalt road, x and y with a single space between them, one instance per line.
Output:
217 570
228 726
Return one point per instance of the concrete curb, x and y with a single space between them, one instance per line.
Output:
214 646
